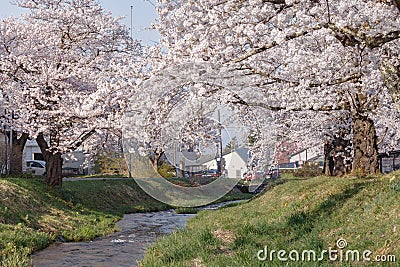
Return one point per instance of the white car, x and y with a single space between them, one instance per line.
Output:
36 167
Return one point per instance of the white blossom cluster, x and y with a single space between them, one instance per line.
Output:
67 69
317 65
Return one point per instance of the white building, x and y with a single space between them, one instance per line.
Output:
235 164
312 154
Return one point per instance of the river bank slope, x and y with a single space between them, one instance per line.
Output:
355 213
33 215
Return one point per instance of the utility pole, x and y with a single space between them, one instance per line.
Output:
220 135
132 22
11 144
9 154
220 162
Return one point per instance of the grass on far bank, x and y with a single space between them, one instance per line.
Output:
99 175
299 214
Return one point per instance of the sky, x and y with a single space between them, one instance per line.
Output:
144 15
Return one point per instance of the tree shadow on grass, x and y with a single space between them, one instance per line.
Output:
302 223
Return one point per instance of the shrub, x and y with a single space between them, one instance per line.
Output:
166 170
309 170
395 183
110 163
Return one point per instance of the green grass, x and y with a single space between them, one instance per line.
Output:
99 175
192 181
300 214
231 196
33 215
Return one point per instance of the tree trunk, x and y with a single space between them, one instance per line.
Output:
340 153
328 159
17 150
339 168
156 159
365 145
54 169
336 161
53 163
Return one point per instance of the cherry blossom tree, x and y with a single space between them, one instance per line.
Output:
180 107
68 73
318 56
11 36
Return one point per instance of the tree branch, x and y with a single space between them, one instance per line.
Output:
397 4
82 138
349 78
329 11
350 37
280 108
274 43
274 79
43 145
383 137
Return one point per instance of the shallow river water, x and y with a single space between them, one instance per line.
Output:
123 248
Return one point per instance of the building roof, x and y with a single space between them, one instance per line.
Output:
243 153
316 158
298 152
394 153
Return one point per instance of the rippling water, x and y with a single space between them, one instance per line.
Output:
124 248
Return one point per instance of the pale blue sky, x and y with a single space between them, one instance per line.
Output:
143 15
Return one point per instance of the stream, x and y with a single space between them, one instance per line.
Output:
124 248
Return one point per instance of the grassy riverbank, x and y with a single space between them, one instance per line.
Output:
299 214
33 215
